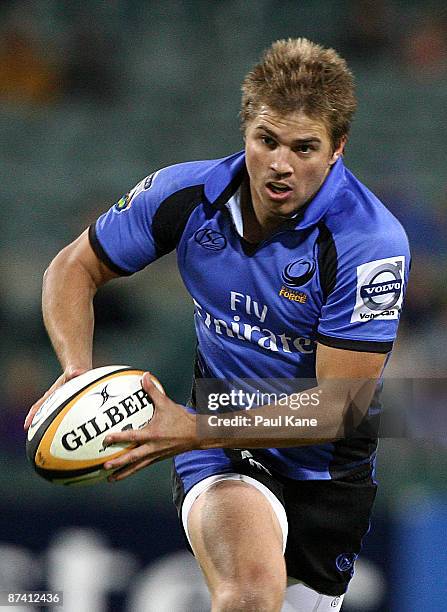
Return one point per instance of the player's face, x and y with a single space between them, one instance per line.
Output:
288 157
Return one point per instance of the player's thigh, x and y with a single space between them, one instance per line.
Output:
236 536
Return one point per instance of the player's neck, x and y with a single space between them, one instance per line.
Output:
255 227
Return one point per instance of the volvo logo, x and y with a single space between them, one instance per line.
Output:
210 239
298 273
382 287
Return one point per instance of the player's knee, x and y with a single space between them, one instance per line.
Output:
261 593
248 600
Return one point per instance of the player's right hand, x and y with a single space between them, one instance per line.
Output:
68 374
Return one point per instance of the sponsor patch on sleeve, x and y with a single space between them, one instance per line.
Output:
379 289
125 202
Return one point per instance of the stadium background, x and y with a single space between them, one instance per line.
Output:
96 95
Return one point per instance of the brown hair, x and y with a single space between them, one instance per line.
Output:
299 75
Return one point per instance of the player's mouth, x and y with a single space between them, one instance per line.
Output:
278 191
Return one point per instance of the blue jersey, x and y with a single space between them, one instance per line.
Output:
334 274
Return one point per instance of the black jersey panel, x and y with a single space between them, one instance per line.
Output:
327 260
172 216
364 346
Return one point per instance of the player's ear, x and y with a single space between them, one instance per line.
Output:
338 151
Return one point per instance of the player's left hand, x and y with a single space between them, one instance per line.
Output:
172 430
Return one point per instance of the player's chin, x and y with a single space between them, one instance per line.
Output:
288 209
287 206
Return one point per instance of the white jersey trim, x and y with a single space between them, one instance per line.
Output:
205 484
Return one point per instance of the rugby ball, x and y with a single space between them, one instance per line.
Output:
65 442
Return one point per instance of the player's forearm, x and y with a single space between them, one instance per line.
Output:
67 306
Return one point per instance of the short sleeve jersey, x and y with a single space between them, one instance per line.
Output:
334 274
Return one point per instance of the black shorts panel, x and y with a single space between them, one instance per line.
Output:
327 520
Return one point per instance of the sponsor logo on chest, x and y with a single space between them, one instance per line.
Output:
296 274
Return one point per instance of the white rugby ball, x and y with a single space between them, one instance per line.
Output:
65 438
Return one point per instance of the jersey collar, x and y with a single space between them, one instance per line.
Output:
226 178
314 210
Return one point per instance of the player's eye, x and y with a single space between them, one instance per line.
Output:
268 140
305 148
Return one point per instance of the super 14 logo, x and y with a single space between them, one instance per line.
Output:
380 286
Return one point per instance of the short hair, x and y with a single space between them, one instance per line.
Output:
299 75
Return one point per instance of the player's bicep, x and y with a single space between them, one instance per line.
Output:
341 363
81 255
348 378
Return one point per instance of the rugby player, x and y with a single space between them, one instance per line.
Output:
297 271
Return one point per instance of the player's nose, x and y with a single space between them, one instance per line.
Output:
280 162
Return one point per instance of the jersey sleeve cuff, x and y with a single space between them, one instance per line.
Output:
101 254
363 346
